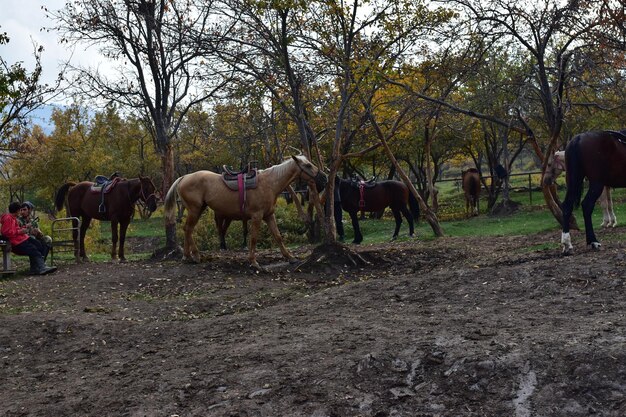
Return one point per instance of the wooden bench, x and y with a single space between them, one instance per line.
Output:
7 265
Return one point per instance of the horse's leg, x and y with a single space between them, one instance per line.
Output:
609 205
608 215
567 208
75 238
409 218
123 228
114 238
271 223
84 226
595 189
222 226
254 235
339 221
190 250
398 218
245 233
358 237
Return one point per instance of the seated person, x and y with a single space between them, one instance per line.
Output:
28 220
22 243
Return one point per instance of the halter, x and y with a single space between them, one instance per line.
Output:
317 177
143 194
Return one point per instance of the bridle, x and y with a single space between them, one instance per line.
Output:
317 178
142 196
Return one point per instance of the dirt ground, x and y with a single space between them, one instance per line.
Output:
451 327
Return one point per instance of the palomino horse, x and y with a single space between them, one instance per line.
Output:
600 157
203 189
471 188
360 196
119 206
557 165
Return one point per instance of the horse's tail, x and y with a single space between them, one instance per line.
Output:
574 171
59 200
169 204
414 206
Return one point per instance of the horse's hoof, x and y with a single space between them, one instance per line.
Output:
293 260
393 238
595 245
123 260
189 260
257 267
567 252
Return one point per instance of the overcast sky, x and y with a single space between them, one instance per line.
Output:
23 21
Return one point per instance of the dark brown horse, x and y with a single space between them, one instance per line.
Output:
471 189
119 206
373 198
600 157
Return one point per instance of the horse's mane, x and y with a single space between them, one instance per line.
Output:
282 168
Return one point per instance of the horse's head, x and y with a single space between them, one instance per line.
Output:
310 172
148 193
556 165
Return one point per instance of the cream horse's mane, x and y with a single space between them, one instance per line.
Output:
280 169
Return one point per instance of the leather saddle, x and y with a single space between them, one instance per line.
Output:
235 180
360 183
102 185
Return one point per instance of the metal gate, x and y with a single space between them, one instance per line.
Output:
62 236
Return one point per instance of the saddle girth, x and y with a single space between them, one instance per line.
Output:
240 182
362 185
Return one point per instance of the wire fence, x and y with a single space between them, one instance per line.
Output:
527 181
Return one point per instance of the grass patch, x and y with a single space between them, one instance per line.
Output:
532 218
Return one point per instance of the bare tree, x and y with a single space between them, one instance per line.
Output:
158 70
21 92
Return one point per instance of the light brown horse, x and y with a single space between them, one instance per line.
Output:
203 189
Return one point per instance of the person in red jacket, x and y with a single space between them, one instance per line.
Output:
22 243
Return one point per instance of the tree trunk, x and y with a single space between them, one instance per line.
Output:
167 164
549 192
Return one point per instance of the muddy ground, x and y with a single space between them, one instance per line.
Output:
452 327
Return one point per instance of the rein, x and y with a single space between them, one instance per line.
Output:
142 194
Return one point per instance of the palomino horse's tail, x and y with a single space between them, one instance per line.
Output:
574 174
60 199
169 204
414 206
